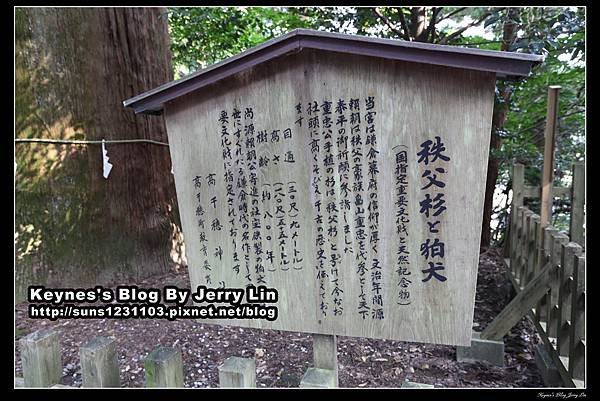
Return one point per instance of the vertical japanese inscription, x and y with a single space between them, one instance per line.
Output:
432 206
201 222
402 219
315 146
360 234
263 218
244 189
228 179
373 207
331 208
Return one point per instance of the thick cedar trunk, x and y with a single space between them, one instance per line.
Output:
140 190
76 66
498 120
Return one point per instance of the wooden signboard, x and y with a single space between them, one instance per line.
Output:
352 185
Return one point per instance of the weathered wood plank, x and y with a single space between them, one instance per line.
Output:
577 336
41 359
237 372
578 204
520 305
518 183
548 168
534 191
569 252
535 245
526 251
164 368
558 240
325 354
545 254
560 362
99 363
519 245
413 104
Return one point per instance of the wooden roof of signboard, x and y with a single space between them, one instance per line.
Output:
504 64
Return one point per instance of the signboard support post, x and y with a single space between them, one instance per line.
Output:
325 372
325 353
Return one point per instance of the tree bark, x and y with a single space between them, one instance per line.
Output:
417 23
498 120
75 67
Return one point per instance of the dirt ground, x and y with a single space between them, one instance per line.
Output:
283 357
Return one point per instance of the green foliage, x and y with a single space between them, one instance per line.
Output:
559 34
203 36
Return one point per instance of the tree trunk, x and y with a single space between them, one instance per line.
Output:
75 66
417 23
498 120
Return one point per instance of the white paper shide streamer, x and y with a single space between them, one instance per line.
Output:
106 166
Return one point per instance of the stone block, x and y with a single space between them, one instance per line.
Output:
481 351
318 378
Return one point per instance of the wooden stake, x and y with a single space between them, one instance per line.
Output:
164 368
99 363
40 355
548 171
237 372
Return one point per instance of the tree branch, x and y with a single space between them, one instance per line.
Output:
451 14
403 23
388 22
464 28
541 121
481 43
432 22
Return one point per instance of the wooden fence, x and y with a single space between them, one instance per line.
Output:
547 270
576 193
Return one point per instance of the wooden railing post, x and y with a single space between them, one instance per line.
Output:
577 337
558 240
548 169
518 183
526 247
518 247
544 258
569 252
535 245
578 204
